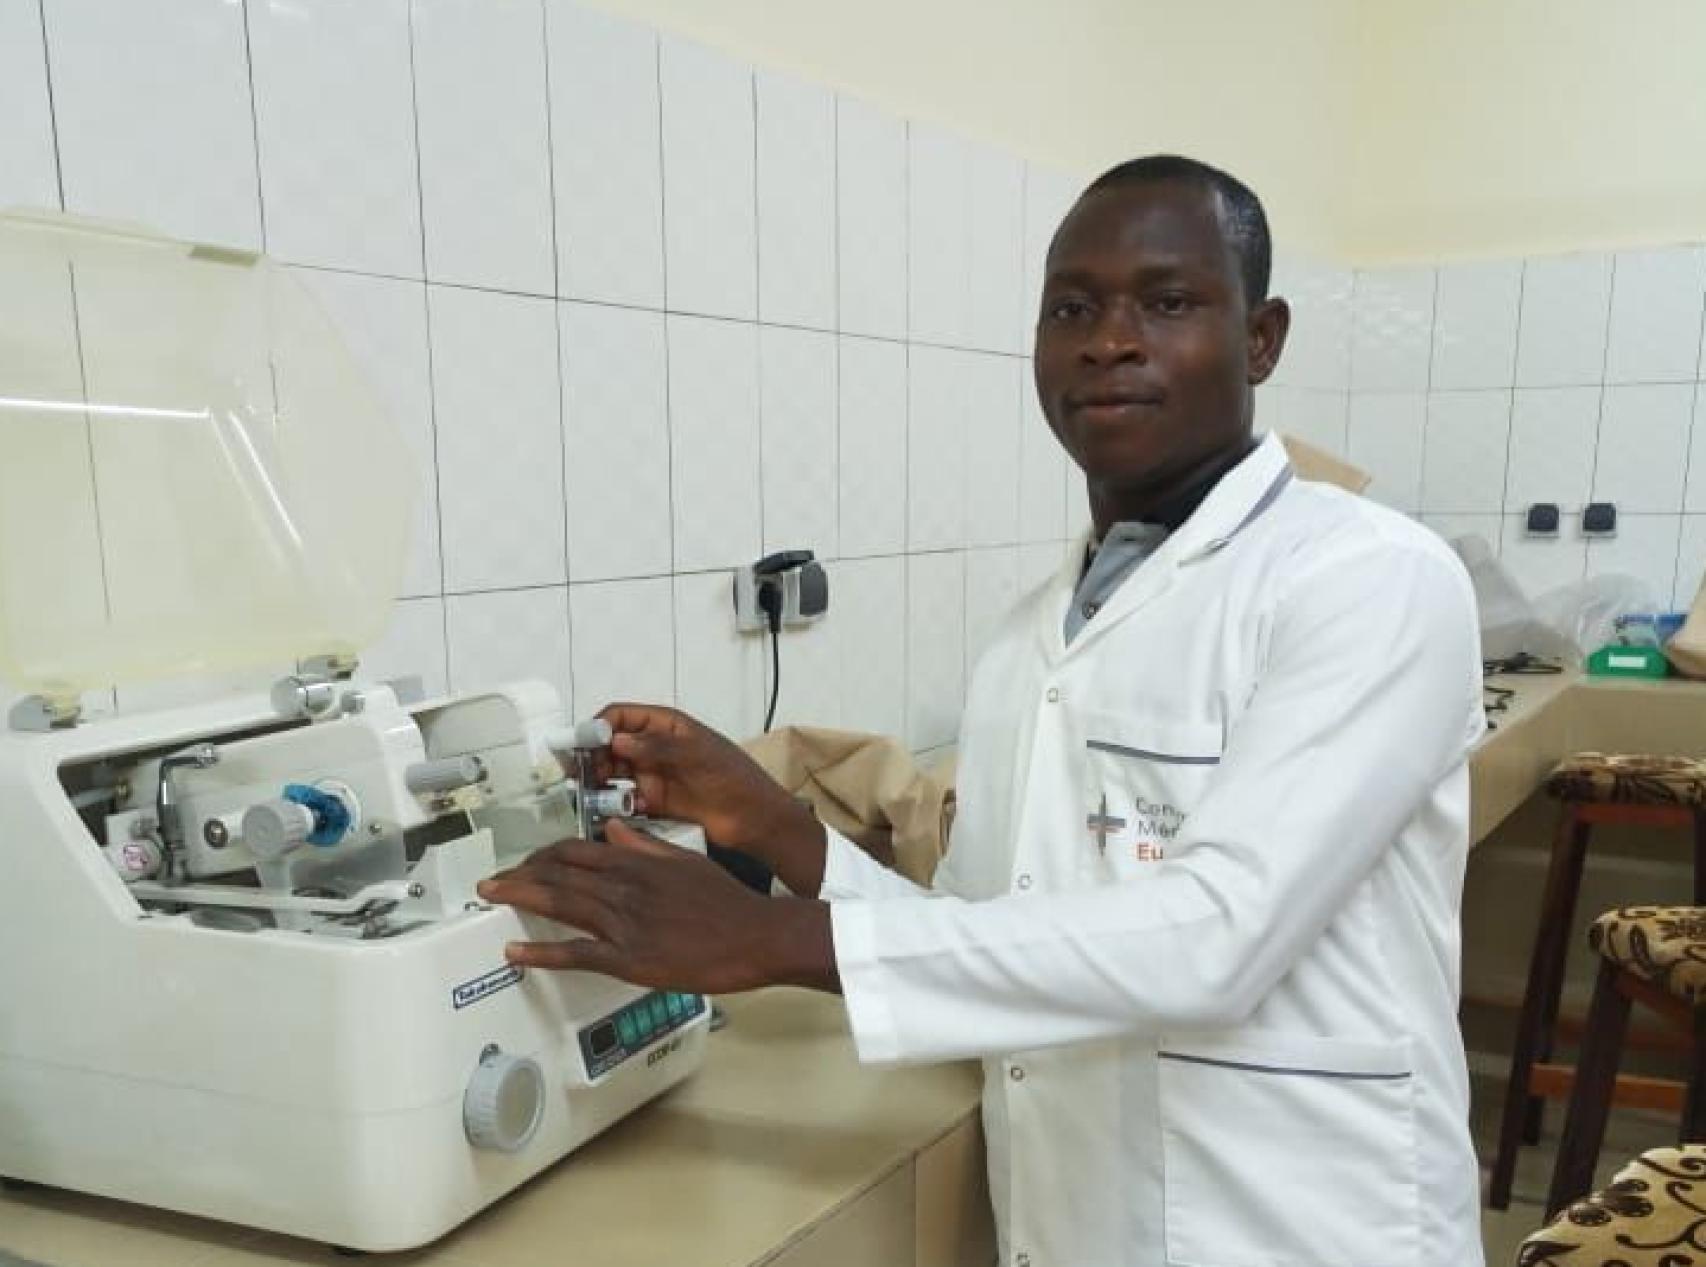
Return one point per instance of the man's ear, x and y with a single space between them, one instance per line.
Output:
1270 321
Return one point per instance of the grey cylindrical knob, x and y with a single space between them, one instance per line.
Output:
303 697
504 1102
611 802
272 829
593 734
438 778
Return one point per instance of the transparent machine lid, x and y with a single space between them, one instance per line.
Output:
194 476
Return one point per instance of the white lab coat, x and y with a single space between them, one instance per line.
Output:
1200 911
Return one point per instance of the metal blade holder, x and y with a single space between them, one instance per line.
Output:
594 804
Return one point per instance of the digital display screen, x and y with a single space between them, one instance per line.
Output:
606 1043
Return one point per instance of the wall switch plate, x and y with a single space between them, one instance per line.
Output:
1599 520
1543 519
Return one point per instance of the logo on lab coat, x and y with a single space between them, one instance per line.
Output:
1142 832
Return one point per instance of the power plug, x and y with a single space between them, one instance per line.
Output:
792 585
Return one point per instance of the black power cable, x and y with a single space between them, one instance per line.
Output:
770 603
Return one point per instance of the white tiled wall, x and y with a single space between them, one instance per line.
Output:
1478 389
641 312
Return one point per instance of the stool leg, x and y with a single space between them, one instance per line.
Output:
1590 1098
1699 858
1552 992
1540 1000
1694 1109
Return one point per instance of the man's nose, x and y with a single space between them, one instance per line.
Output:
1117 336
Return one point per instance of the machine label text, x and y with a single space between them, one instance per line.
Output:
471 992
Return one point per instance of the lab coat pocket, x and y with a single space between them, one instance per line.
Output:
1142 781
1289 1151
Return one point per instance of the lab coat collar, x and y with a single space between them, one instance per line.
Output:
1242 496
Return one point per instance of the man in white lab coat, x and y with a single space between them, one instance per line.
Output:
1199 916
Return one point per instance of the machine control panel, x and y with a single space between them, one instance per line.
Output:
611 1039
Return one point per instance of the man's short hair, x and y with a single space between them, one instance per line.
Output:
1242 219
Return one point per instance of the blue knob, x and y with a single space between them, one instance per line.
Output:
331 815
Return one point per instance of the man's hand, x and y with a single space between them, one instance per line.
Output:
685 770
660 916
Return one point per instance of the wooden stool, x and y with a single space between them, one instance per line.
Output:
1655 955
1652 1215
1593 789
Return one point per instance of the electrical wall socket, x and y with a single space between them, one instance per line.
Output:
748 617
805 597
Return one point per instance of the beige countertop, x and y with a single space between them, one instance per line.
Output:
1551 716
781 1150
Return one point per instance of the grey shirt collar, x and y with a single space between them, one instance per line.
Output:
1115 558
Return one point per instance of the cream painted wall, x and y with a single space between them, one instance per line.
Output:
1260 88
1377 130
1518 127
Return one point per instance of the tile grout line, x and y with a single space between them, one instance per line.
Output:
668 374
572 705
906 705
1510 407
1599 415
254 125
764 674
431 366
52 104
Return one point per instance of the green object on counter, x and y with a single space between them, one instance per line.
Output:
1618 661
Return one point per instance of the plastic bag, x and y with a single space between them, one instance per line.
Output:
1509 623
1587 613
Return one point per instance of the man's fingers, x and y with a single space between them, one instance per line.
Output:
646 751
588 855
578 954
619 833
583 855
563 900
628 719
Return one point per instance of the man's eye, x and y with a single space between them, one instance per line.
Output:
1172 304
1067 310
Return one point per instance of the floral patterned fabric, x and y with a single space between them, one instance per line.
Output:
1630 780
1652 1215
1663 945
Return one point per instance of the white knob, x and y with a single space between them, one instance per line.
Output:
584 737
593 734
272 829
303 696
504 1102
438 778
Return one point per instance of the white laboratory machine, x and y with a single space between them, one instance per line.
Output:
244 972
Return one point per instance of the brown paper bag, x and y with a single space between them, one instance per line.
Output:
1315 464
867 787
1687 650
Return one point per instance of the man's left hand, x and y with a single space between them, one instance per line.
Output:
657 915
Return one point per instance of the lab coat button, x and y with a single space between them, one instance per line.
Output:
1017 1073
1024 882
1090 610
1053 696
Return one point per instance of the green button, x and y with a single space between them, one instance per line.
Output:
695 1004
628 1029
677 1005
660 1013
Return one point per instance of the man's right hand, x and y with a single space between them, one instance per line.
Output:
685 770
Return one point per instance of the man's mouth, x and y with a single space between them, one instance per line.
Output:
1113 406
